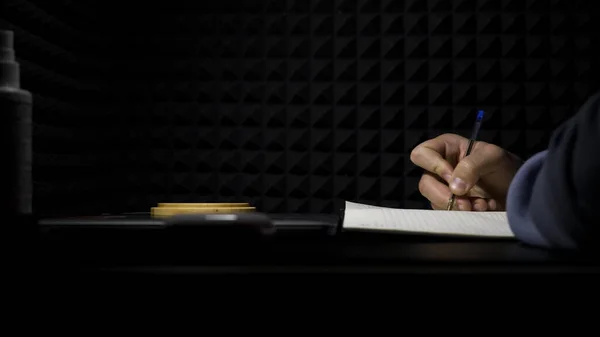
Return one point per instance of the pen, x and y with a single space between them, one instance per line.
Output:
476 127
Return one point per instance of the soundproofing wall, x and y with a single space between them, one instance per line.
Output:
293 104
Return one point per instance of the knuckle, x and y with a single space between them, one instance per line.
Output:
450 137
421 185
415 154
494 151
467 166
424 186
436 169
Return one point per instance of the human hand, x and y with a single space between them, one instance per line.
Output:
480 181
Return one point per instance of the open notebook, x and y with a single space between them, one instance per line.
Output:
453 223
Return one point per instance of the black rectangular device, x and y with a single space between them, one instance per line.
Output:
263 224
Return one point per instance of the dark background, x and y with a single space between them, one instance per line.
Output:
287 105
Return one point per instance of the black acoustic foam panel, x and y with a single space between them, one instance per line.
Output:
292 104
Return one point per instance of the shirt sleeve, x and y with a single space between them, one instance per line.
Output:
553 201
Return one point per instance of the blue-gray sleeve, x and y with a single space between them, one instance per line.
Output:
553 201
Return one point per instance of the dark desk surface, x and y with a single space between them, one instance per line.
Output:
156 252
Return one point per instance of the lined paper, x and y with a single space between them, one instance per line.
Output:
482 224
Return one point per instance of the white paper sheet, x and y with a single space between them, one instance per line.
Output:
482 224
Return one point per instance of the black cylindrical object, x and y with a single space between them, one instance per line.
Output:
16 186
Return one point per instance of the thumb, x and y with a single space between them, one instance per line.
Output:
468 171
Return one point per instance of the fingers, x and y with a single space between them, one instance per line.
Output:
495 205
438 194
460 204
477 192
434 190
483 205
437 208
470 204
483 160
430 156
480 205
441 157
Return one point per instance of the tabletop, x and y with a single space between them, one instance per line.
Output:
154 251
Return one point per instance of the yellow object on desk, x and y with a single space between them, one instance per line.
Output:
204 204
170 209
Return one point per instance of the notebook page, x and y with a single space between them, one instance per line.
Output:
354 205
484 224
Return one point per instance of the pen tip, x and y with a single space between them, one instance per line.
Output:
480 115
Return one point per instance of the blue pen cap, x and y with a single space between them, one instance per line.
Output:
480 115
